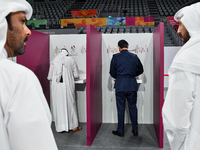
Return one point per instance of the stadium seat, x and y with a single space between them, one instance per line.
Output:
133 31
115 27
42 26
103 30
127 29
84 31
115 30
98 27
104 27
110 27
81 27
79 31
121 30
109 30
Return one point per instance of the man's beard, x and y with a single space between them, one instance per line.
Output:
186 38
20 50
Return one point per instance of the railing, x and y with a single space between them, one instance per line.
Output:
175 36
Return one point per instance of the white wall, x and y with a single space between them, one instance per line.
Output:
169 53
142 44
76 45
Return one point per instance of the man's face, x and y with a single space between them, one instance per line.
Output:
182 31
17 35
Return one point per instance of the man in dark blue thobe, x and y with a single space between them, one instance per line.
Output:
124 67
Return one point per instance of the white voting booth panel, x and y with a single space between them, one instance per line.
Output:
141 44
169 54
76 46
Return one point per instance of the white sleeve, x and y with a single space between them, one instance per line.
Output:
28 116
75 70
178 106
50 74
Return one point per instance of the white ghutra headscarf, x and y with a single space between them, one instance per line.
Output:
58 65
6 7
188 57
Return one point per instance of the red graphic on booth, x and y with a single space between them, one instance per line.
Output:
83 50
73 48
141 50
136 50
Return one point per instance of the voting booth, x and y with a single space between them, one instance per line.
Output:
95 94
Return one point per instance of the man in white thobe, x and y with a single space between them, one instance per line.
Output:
25 118
181 108
63 71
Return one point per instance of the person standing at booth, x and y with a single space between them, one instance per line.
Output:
63 71
124 67
182 104
25 118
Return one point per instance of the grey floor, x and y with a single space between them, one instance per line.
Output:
105 140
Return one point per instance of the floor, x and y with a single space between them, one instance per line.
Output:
105 140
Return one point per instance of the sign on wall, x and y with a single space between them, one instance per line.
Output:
36 23
75 44
84 13
119 21
83 22
140 21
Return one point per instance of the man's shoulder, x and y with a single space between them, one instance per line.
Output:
11 74
117 54
13 68
69 59
130 53
126 53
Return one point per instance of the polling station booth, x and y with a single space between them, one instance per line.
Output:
95 93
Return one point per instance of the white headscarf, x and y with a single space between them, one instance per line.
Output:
6 7
57 62
188 58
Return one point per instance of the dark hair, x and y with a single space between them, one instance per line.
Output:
9 21
123 44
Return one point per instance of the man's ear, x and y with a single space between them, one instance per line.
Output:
127 46
119 48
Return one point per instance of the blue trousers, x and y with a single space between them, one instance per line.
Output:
131 97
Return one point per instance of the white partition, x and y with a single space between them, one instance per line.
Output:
142 45
76 45
169 53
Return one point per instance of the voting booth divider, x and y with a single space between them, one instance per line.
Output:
142 46
158 94
94 84
95 99
36 58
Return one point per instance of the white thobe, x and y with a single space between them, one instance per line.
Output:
25 119
181 110
63 94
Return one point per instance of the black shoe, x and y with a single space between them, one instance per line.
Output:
118 134
135 133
